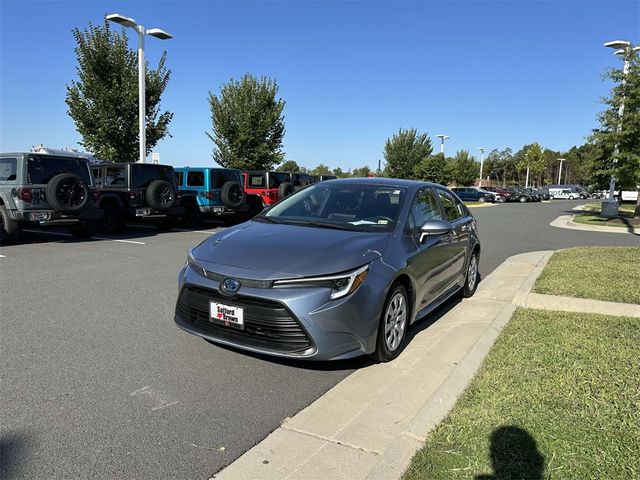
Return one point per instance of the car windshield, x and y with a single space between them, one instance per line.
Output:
343 206
42 169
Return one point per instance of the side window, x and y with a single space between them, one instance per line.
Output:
453 209
8 169
114 176
178 176
195 179
256 181
425 207
97 175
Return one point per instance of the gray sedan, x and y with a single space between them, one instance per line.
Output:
336 270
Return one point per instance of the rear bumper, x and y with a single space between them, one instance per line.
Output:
222 209
147 213
54 217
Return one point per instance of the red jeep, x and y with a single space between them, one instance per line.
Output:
266 188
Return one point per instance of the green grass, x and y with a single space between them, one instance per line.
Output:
557 397
601 273
591 216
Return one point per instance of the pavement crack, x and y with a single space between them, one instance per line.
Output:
330 440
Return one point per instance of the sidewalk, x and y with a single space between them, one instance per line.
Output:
370 425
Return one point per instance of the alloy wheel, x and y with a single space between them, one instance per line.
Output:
472 272
395 321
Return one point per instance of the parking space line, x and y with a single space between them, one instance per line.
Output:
3 256
195 231
91 238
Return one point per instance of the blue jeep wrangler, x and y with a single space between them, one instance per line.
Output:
213 192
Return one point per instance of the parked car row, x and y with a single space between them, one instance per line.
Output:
45 188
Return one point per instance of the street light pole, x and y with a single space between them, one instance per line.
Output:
481 165
560 170
142 107
442 139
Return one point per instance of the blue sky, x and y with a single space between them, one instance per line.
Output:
494 74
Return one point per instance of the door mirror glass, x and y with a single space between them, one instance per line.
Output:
434 227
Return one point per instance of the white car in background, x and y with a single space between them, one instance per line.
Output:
563 193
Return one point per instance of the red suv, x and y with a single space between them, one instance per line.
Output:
266 188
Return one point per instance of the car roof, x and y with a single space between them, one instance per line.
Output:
383 181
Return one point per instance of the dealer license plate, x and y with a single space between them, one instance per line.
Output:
227 315
218 209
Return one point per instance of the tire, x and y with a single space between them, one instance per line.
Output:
473 276
192 217
67 193
112 221
285 189
390 341
84 229
501 199
231 194
160 195
550 197
9 228
522 199
482 199
165 225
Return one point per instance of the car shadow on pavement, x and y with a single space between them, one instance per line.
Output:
14 451
514 454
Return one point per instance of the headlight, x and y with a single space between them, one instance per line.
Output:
194 265
341 284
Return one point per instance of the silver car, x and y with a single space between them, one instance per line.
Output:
336 270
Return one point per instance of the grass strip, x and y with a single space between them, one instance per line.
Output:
557 397
601 273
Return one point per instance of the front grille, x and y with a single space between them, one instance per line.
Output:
267 324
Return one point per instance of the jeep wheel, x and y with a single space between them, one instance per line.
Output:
112 221
9 228
285 190
523 199
160 195
84 229
67 193
231 194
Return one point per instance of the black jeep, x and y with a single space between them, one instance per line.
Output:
134 192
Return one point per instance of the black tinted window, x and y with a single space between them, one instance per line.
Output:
276 178
195 179
143 175
97 175
425 207
300 179
115 176
220 177
178 176
41 169
8 168
453 209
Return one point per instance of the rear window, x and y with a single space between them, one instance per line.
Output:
41 169
8 167
178 178
257 180
300 179
195 179
276 178
220 177
143 175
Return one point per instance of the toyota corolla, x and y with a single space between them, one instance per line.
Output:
336 270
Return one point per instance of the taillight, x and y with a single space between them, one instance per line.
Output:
95 195
210 195
178 194
25 194
133 195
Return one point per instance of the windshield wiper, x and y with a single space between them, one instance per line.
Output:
267 219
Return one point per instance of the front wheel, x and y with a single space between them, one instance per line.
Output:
523 199
393 325
473 275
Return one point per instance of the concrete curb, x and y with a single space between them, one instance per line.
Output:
574 304
566 221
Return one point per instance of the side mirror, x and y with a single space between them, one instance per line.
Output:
434 227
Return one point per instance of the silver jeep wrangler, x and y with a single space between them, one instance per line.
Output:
41 189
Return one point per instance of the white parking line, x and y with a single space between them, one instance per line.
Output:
3 256
195 231
92 238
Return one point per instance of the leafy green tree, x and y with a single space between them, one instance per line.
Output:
248 125
361 172
432 169
103 102
339 173
623 132
531 157
463 168
289 166
321 170
404 151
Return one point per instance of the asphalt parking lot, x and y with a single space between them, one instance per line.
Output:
98 381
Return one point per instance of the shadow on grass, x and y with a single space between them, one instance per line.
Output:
514 455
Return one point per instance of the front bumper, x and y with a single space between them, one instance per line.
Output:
332 329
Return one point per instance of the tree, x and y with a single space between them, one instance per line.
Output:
463 168
103 102
432 169
289 166
622 132
361 172
531 157
248 125
339 173
404 151
321 170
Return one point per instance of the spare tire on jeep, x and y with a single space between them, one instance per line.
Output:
160 195
67 193
231 194
285 190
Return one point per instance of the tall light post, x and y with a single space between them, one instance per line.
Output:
154 32
481 164
560 170
442 139
621 47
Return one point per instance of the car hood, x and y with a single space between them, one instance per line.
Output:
265 251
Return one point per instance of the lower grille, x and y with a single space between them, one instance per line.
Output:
267 324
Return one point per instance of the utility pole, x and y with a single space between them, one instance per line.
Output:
481 164
560 170
442 139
